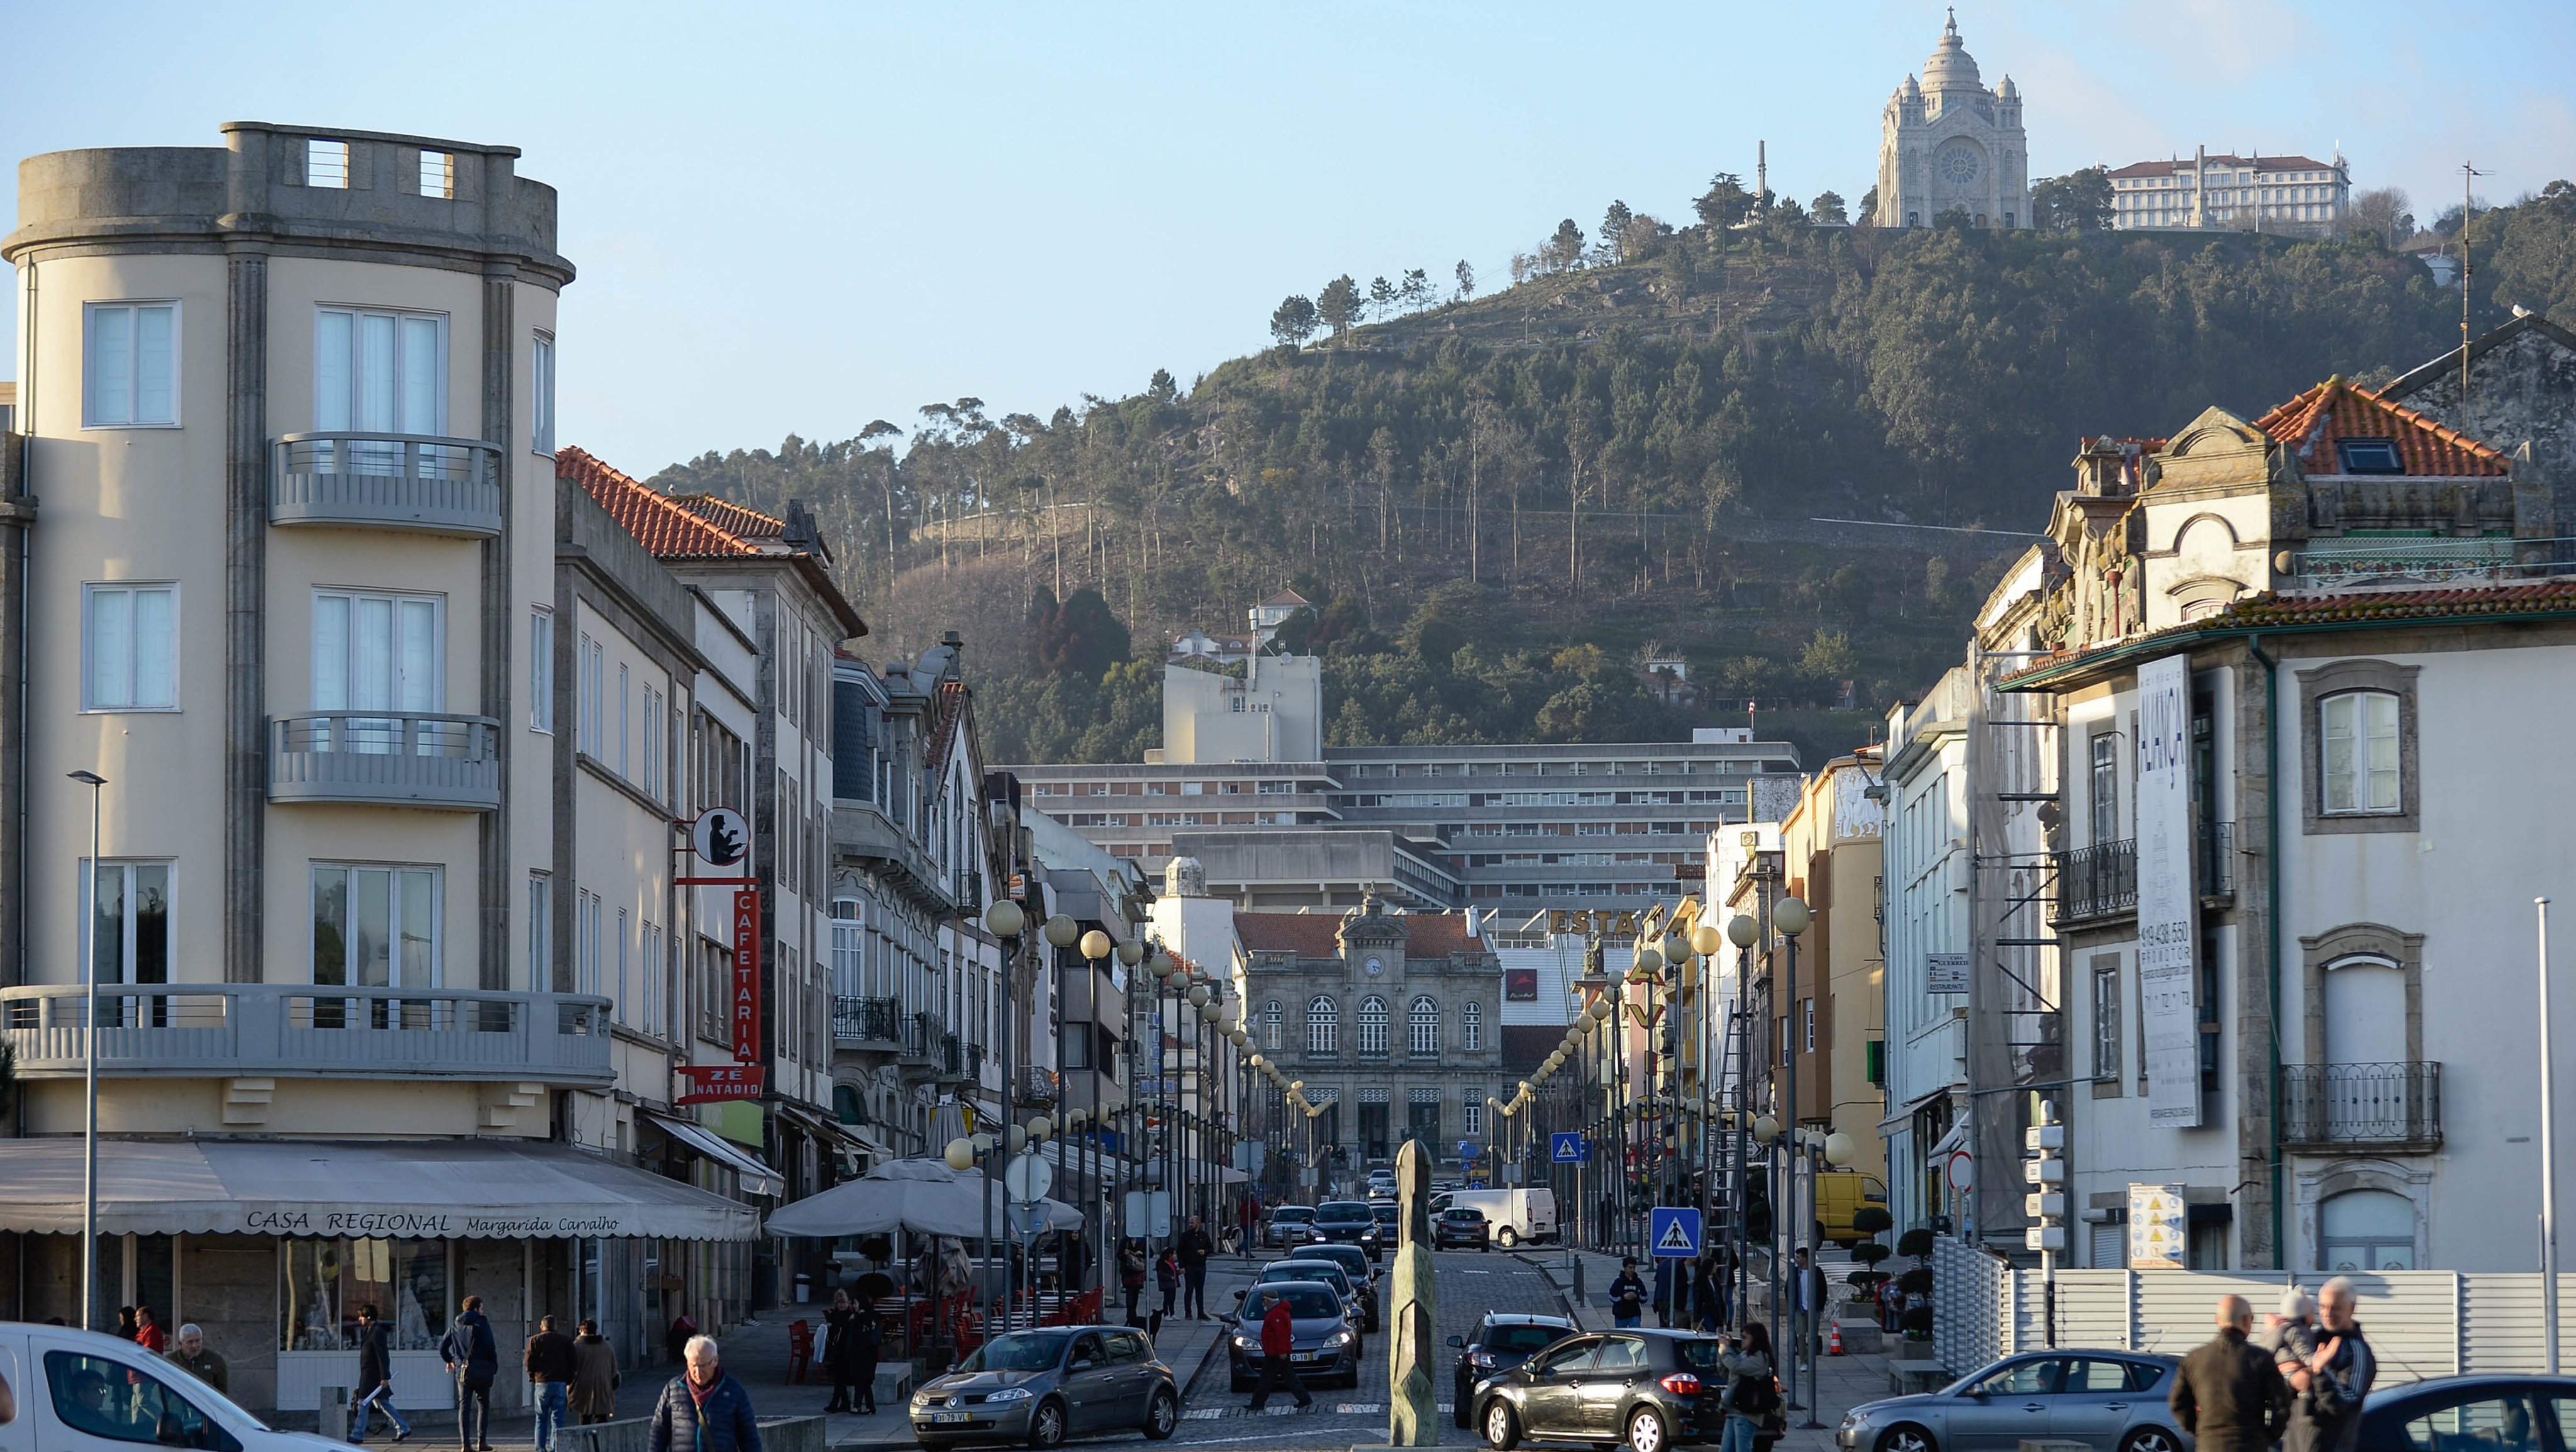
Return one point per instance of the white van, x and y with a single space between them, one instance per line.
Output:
79 1391
1517 1215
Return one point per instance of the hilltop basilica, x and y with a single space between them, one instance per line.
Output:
1949 143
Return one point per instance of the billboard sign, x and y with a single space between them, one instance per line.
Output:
2168 903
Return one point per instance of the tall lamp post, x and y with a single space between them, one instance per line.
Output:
89 1069
1007 922
1791 917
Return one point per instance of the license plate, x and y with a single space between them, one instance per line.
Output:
1306 1356
951 1418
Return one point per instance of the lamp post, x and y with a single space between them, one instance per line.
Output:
89 1068
1007 922
2548 1158
1791 917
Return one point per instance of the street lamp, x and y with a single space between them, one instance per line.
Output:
89 1070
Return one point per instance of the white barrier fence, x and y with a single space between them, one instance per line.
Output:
2420 1323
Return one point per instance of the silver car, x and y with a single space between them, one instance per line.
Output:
2113 1401
1043 1386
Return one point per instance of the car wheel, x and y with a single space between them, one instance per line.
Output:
1162 1415
1507 1237
1046 1424
1906 1437
1646 1430
1502 1429
2151 1439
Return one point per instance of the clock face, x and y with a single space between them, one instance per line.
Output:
1959 163
1373 967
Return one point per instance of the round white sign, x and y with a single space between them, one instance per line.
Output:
1962 1170
1028 1178
721 837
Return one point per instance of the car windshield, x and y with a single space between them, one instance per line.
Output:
1386 1214
1463 1216
1699 1354
1304 1270
1293 1212
1352 1259
1522 1339
1341 1210
1019 1351
1306 1303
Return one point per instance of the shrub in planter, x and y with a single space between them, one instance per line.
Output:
1918 1322
1916 1282
1871 1219
1916 1242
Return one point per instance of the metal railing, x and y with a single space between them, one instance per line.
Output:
2385 559
307 1030
2217 866
975 1062
394 758
920 1037
867 1020
2362 1104
949 1058
2095 882
419 482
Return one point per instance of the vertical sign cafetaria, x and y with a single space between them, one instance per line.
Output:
2168 926
746 975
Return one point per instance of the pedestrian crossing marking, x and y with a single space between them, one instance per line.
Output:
1358 1409
1675 1238
1205 1414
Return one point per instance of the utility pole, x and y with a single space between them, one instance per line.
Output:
2468 176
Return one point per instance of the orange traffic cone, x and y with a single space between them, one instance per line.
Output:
1834 1342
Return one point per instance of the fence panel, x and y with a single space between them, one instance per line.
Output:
2412 1319
2177 1310
1968 1306
2500 1323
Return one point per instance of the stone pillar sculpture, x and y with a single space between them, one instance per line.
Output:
1413 1301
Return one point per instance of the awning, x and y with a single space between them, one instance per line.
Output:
458 1189
756 1178
831 1131
1911 1107
923 1196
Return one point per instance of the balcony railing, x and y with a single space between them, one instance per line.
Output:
309 1031
2096 882
417 482
949 1059
2384 1106
919 1042
975 1062
867 1021
2217 867
2341 563
401 759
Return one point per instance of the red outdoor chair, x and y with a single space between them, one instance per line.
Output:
800 1349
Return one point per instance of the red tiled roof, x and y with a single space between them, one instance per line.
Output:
1318 935
663 525
732 518
2259 163
2310 423
948 710
1287 597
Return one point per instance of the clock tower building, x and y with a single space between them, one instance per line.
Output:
1948 144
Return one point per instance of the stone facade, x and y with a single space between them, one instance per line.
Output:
1949 144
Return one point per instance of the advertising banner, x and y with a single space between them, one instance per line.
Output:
713 1083
746 975
2168 905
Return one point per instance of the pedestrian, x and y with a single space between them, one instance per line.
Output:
1810 1301
125 1327
836 1322
473 1358
1278 1355
704 1410
1628 1294
1193 1250
2340 1375
594 1376
148 1333
1706 1298
1752 1393
867 1341
199 1360
675 1337
1665 1291
550 1365
2226 1394
375 1375
1131 1275
1167 1279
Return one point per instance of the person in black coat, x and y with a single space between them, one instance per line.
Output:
2226 1394
375 1376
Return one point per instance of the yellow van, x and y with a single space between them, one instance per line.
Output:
1838 1194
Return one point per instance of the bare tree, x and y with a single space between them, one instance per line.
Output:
2384 213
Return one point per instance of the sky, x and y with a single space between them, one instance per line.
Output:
799 219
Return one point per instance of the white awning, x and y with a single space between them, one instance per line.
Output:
458 1189
756 1178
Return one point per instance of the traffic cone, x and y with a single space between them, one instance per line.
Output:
1834 1342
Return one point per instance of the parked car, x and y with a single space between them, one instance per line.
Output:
1503 1340
1355 1293
1461 1225
1288 1225
1648 1389
1325 1345
2111 1400
1390 1221
1439 1185
2494 1413
85 1392
1354 1263
1350 1222
1043 1386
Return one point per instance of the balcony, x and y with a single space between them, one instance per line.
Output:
414 482
2340 1107
413 759
948 1059
862 832
867 1023
917 1043
2215 870
227 1030
2097 882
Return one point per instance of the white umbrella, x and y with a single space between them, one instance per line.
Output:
922 1196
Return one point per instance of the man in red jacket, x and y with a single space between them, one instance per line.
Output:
1278 1347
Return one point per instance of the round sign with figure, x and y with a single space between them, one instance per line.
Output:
721 837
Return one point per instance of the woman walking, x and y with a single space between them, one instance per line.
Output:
594 1376
840 1335
1131 1275
866 1337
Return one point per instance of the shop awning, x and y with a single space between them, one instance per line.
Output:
831 1131
474 1189
756 1178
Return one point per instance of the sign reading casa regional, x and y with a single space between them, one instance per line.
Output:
746 975
710 1083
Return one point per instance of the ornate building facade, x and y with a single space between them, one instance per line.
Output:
1949 144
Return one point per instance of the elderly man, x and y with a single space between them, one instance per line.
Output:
2226 1394
199 1360
2327 1416
704 1410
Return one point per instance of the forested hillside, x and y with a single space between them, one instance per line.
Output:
1506 503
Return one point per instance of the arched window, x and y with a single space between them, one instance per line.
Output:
847 1106
1471 1026
2366 1230
1373 1027
1422 1029
1323 1025
1272 1015
2358 730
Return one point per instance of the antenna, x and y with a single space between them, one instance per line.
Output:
2468 175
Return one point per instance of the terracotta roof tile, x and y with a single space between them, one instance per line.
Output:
2311 423
1318 935
662 524
732 518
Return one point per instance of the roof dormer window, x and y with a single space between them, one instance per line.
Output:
2369 456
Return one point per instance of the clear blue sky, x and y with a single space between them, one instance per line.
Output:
799 219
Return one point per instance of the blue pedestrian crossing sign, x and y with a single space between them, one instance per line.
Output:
1565 1149
1673 1231
1466 1149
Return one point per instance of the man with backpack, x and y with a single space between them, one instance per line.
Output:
473 1358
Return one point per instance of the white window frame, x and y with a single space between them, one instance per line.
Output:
625 725
2358 707
1273 1016
590 685
127 866
541 932
133 590
437 650
585 951
1471 1026
1323 1025
1370 1038
541 669
356 376
1421 1031
437 917
1472 1113
438 175
326 164
130 387
541 393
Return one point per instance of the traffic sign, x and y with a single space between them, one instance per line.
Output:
1466 1149
1673 1231
1028 1178
1566 1148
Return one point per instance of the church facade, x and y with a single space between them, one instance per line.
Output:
1949 144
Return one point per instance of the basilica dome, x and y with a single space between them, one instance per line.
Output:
1951 68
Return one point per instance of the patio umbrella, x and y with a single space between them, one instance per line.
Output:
923 1196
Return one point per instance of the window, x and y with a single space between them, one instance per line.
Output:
2106 1021
541 670
2360 765
379 372
1323 1025
585 943
1809 1007
1271 1016
2369 456
1372 1021
129 922
377 652
2366 1230
375 927
1422 1029
590 664
541 933
1471 1025
2105 797
624 1001
438 175
132 378
98 1397
624 731
541 394
131 659
326 164
1472 1102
